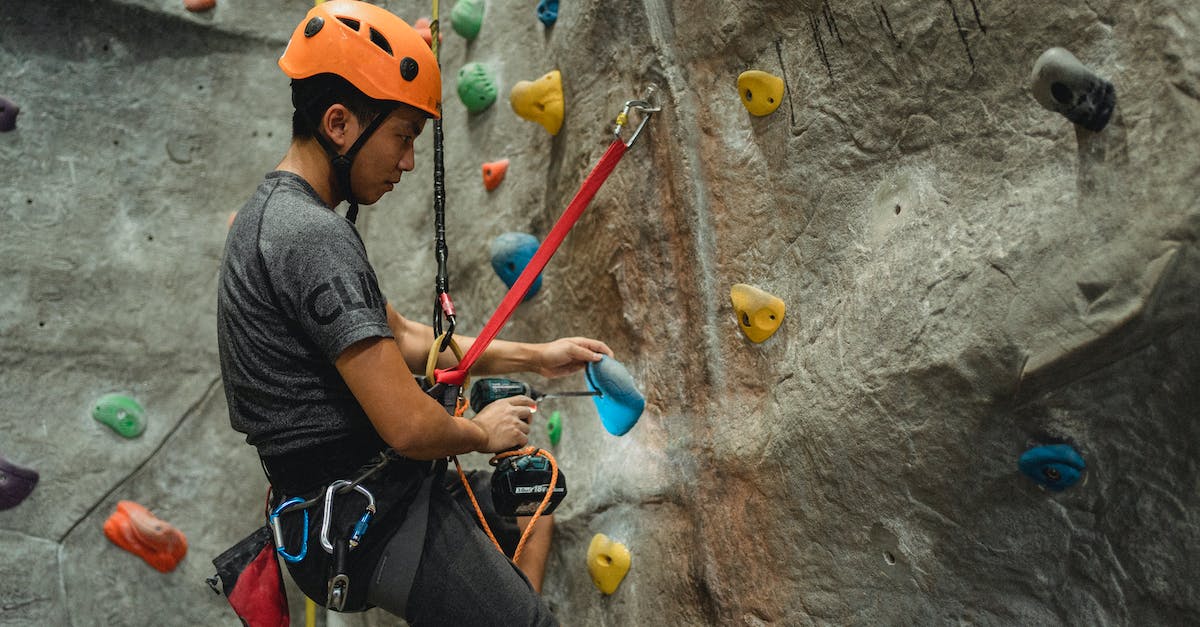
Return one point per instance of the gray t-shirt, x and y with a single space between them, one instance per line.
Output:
295 291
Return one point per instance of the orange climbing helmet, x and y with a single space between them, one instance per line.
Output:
377 52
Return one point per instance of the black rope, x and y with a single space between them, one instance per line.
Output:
441 252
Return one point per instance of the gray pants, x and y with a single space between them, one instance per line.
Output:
462 579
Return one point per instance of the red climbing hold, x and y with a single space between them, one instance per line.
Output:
133 528
493 173
8 115
199 6
423 28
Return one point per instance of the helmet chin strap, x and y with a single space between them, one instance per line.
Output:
342 163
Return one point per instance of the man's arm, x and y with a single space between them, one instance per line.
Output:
550 359
413 423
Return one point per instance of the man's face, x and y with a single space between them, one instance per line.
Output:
387 154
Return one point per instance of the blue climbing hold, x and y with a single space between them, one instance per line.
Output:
1054 466
511 252
547 12
619 402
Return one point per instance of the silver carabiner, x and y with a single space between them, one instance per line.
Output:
359 528
645 107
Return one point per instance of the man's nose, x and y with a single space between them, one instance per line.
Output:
408 160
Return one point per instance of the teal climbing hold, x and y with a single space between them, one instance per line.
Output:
476 88
554 428
1053 466
511 252
122 413
467 18
619 402
547 12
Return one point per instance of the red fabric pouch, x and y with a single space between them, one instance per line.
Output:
250 578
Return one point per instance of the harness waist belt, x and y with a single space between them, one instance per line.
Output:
311 469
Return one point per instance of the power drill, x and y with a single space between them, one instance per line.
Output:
485 391
520 482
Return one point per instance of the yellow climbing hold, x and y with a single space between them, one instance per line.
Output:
608 562
761 92
759 313
540 101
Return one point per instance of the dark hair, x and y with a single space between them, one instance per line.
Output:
313 96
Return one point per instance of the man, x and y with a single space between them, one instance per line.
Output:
317 366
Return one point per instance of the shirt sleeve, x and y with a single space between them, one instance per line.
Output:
326 284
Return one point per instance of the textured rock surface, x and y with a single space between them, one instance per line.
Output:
965 274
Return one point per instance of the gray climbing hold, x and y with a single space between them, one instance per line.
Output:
1062 84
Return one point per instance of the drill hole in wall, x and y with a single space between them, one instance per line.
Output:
889 559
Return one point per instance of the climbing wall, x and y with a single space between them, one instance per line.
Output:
965 281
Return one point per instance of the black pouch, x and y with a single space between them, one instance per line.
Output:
252 582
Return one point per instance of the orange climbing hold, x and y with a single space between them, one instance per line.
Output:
425 28
133 528
493 173
199 6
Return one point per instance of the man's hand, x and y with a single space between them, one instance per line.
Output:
506 423
569 354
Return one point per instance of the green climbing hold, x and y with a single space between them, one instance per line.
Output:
554 428
122 413
476 88
467 18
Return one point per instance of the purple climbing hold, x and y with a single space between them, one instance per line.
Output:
8 115
15 483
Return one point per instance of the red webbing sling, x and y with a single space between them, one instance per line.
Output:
457 374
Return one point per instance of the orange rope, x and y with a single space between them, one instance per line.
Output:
529 450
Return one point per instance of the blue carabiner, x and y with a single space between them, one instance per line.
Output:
274 521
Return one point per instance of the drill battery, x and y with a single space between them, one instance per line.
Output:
519 484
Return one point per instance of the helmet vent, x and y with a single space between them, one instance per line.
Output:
354 24
379 40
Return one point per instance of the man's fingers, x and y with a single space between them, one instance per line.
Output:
596 346
583 353
521 401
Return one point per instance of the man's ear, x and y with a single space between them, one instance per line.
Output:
339 124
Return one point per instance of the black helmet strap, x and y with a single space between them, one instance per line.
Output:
343 162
